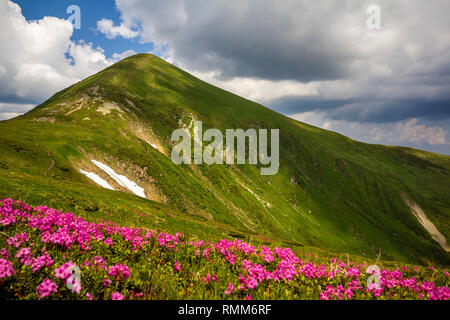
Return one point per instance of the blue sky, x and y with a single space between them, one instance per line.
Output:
315 61
91 12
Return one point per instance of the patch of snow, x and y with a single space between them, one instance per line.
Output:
153 145
264 203
427 224
121 180
97 179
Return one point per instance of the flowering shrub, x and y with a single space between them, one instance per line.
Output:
116 296
41 248
6 269
119 271
46 288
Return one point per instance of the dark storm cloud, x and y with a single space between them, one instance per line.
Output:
293 105
397 72
252 51
366 110
296 56
264 39
19 100
391 111
290 39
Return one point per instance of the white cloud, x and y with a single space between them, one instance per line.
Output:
416 133
293 39
107 27
259 90
123 55
38 58
407 133
33 56
266 50
11 110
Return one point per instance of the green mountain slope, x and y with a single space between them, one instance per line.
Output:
330 192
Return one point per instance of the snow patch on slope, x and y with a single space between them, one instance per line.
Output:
264 203
153 145
121 180
427 224
97 179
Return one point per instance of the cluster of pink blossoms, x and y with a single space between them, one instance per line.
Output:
42 261
254 266
6 269
4 253
64 271
46 288
24 255
207 279
168 240
176 266
109 242
290 266
116 296
18 240
97 263
230 289
119 271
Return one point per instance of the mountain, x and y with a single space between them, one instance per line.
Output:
114 129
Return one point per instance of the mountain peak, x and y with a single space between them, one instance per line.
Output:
115 88
114 129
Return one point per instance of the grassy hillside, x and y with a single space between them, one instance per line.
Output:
330 192
42 247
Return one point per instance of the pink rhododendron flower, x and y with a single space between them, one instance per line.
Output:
65 271
6 269
4 253
18 239
150 234
24 255
119 271
108 242
252 269
207 278
230 289
74 284
440 293
46 288
99 262
116 296
176 266
43 261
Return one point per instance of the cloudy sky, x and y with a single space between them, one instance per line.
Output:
315 61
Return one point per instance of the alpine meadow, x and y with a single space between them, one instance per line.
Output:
101 150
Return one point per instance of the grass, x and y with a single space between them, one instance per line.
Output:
43 251
331 192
